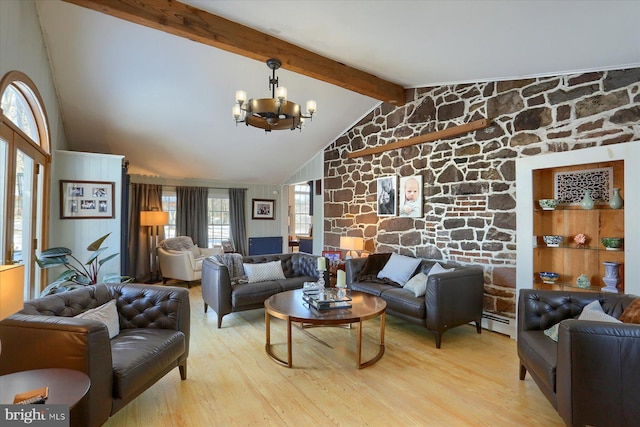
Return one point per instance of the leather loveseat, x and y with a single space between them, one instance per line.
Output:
153 339
590 375
453 298
226 297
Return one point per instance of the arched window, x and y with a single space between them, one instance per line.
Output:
24 176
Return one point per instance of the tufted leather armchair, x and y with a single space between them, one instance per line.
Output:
226 297
591 374
153 339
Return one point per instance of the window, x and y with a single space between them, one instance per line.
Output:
218 228
24 177
218 219
302 219
15 106
169 205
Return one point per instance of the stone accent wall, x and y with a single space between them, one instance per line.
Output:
469 181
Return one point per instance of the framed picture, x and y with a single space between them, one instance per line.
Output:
411 196
333 256
386 195
86 199
263 209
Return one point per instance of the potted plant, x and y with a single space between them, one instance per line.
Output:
78 274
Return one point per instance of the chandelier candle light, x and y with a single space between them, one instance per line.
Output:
275 113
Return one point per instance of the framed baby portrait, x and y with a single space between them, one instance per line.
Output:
411 201
386 195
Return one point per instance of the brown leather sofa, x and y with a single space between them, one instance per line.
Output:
225 297
452 299
591 374
153 339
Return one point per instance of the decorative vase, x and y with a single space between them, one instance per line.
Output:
583 281
616 201
610 276
587 202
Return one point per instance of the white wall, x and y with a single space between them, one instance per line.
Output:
77 234
311 171
22 49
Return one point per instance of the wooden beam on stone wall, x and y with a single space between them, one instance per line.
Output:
445 133
194 24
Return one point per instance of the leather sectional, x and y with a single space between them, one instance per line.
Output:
224 297
452 298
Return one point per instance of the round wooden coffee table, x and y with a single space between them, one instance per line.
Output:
291 307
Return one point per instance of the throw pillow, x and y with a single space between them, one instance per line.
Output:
399 268
417 284
552 332
264 271
437 269
372 266
631 314
593 311
106 313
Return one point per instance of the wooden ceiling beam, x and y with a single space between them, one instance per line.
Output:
194 24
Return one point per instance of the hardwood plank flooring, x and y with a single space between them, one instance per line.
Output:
471 381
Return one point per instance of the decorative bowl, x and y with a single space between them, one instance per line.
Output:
553 241
549 277
612 243
548 204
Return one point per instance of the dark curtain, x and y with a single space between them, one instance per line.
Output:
237 215
144 197
125 262
191 214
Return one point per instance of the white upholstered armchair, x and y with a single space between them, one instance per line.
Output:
181 259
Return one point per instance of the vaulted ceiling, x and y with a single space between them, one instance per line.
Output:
150 92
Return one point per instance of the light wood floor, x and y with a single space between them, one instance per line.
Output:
471 381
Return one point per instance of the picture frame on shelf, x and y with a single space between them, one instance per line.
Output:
263 209
87 199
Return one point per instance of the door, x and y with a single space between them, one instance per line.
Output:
22 188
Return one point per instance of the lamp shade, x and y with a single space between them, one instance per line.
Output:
352 243
11 289
151 218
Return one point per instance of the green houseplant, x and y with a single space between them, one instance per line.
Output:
77 274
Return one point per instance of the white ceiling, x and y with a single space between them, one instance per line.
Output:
165 102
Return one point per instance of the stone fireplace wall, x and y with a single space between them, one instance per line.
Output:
469 180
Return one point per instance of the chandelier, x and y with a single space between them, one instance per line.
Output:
275 113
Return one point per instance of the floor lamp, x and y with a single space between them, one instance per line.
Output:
11 290
153 219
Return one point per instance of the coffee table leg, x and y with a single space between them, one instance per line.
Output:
267 346
267 327
289 352
359 364
377 357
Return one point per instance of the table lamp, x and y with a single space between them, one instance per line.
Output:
352 245
11 290
154 219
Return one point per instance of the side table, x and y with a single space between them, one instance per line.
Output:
66 386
